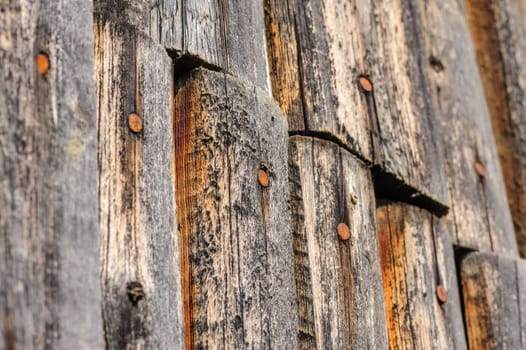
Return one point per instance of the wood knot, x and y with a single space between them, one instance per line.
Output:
134 291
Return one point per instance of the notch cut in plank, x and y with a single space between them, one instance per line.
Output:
417 257
142 299
494 291
229 35
339 286
319 51
49 235
237 260
499 36
479 210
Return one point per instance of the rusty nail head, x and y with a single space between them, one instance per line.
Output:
135 122
344 233
481 169
263 178
42 62
365 84
441 293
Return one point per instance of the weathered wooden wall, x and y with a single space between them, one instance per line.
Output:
49 233
299 174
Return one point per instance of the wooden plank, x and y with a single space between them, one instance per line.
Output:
479 209
318 50
49 235
339 286
499 36
232 194
142 299
494 294
417 258
229 35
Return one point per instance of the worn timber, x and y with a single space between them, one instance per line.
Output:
499 36
49 234
232 193
480 213
494 290
338 279
142 299
319 50
417 264
229 35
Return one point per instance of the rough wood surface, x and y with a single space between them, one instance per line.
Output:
237 260
142 299
417 256
499 36
479 209
317 52
226 34
339 286
49 236
494 289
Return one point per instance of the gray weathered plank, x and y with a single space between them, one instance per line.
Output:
49 235
226 34
479 209
417 257
499 36
317 52
142 299
494 291
237 260
339 286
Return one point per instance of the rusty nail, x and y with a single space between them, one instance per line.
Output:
135 292
354 199
135 122
365 84
42 62
343 231
481 170
263 178
441 293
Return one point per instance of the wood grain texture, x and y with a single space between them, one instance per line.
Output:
494 291
226 34
339 286
417 256
318 50
499 37
479 209
237 260
137 211
49 236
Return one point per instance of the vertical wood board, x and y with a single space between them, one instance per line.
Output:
339 286
479 209
49 235
142 299
417 257
494 291
236 250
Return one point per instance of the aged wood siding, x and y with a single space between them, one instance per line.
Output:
232 194
49 235
142 300
339 291
229 35
480 215
420 281
319 50
494 289
499 36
